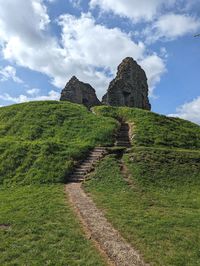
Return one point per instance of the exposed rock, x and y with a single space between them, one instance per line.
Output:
129 88
78 92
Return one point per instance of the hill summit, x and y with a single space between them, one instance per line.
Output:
129 88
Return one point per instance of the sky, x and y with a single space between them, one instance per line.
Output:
43 43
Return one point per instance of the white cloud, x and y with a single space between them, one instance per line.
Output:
76 3
90 47
133 9
23 18
154 67
189 111
50 1
8 73
33 91
52 95
86 49
171 26
96 46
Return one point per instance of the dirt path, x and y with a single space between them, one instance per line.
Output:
108 240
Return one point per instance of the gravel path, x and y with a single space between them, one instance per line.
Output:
116 250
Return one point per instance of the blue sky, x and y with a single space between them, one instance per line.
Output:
45 42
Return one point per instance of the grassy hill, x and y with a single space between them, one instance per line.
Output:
154 201
40 141
154 130
39 144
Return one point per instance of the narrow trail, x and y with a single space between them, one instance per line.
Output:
110 243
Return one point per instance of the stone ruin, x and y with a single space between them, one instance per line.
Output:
79 92
129 88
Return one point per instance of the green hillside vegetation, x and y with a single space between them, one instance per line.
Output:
154 130
155 204
41 141
39 144
43 229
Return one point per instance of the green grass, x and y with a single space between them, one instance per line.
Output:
43 230
41 141
159 213
39 144
152 129
158 210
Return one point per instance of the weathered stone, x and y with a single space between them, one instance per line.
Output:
78 92
129 88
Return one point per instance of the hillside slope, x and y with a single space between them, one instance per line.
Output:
152 194
154 130
40 141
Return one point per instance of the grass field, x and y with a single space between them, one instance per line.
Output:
43 229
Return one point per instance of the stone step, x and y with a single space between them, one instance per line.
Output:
75 180
80 172
123 144
84 169
77 176
96 152
94 157
88 162
99 149
80 169
122 141
124 128
124 133
85 166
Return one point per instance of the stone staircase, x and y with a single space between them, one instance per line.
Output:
123 139
86 166
81 171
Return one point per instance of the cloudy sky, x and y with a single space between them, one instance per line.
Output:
44 42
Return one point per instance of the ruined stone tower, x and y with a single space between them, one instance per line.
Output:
129 88
78 92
